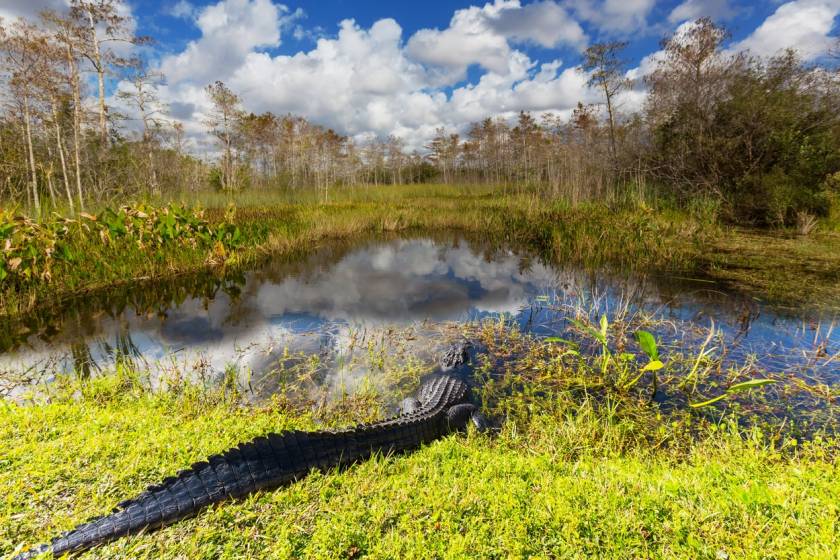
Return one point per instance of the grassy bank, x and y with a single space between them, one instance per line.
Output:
593 235
551 484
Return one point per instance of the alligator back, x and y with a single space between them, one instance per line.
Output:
266 462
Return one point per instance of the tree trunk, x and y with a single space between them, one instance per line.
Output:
100 74
60 147
26 119
77 124
155 186
611 120
50 185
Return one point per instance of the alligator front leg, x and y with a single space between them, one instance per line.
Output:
460 414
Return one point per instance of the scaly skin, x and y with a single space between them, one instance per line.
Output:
275 460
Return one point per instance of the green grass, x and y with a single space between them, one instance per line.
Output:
544 487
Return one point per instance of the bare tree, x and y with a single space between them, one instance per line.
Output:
607 69
223 123
396 158
100 25
67 35
25 51
144 98
55 92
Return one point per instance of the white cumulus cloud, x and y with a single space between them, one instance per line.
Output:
804 25
368 82
718 10
615 16
483 35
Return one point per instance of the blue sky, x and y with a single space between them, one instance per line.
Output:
370 68
321 18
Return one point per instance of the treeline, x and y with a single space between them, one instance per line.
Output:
746 138
55 150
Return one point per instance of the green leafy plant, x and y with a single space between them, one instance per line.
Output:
647 343
621 367
31 249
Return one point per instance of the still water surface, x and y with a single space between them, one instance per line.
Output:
350 315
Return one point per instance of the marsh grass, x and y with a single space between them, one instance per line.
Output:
272 227
784 270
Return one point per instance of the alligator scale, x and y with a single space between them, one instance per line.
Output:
440 407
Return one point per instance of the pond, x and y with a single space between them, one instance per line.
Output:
351 317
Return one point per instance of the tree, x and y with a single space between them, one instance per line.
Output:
99 25
759 136
607 68
67 35
444 152
689 82
25 50
396 158
56 95
144 98
223 123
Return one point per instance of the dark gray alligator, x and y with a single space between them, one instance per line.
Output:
441 406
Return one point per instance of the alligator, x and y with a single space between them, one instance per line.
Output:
441 406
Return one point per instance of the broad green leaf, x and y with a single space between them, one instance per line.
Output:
654 365
648 344
604 325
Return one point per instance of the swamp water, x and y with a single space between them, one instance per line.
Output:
345 319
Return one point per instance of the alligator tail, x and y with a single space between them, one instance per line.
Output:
265 462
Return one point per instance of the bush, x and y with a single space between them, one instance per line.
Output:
761 136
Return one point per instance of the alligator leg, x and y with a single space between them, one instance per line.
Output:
480 421
460 414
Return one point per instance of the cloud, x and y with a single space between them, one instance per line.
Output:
718 10
804 25
12 9
548 89
230 30
544 23
483 35
364 82
183 9
614 16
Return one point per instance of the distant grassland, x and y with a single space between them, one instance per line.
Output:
798 271
552 486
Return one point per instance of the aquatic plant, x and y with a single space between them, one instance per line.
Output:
32 249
